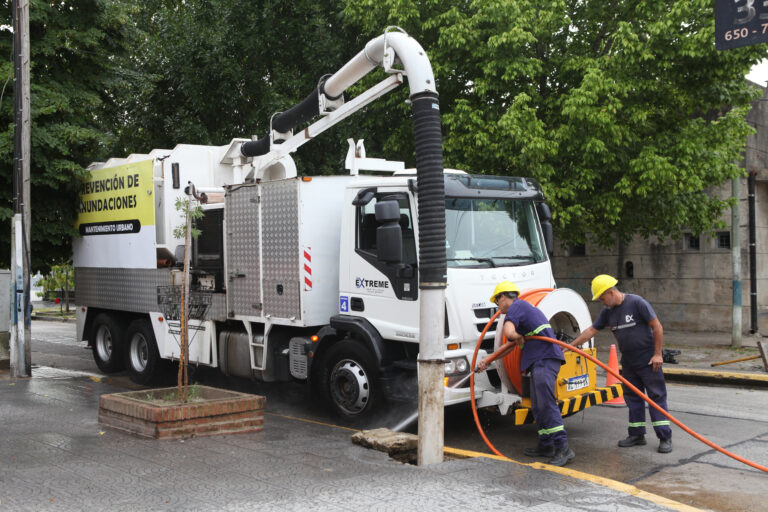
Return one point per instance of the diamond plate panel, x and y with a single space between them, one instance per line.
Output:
123 289
243 265
126 289
280 211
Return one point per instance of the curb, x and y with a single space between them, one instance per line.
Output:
580 475
51 319
715 377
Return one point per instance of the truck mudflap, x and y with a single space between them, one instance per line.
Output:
573 404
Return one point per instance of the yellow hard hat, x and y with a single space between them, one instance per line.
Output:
504 287
601 284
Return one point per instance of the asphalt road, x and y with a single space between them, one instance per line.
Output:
694 473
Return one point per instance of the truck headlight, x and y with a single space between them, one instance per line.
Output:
456 366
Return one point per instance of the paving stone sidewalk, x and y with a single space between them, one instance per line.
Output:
55 456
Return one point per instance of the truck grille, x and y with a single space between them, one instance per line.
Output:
482 315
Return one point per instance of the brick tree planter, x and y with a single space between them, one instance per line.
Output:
215 411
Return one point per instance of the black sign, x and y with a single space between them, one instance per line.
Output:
117 227
740 23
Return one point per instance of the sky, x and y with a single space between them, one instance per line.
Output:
759 73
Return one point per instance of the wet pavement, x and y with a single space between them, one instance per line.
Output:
55 456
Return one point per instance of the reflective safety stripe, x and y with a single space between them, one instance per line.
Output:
660 423
546 431
538 329
637 424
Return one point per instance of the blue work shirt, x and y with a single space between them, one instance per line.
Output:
528 320
629 323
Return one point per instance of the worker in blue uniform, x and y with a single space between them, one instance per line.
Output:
640 336
543 360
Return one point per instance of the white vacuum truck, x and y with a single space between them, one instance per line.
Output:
316 278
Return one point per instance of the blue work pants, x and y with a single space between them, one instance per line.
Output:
652 384
546 412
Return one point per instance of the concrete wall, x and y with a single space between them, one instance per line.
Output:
690 290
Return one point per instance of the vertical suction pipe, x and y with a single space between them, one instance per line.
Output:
432 274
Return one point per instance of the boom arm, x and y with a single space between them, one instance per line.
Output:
381 51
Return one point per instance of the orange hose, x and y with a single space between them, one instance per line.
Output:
472 388
615 374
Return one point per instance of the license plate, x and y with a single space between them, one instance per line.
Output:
578 382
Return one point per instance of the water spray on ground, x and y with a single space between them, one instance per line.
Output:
410 419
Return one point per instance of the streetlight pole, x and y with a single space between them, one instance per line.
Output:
736 262
21 335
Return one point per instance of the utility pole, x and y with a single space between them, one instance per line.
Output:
20 346
736 262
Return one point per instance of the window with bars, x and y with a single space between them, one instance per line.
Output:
692 242
723 240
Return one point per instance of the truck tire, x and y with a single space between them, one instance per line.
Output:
350 379
107 343
142 357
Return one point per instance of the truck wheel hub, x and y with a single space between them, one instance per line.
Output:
139 352
104 343
349 386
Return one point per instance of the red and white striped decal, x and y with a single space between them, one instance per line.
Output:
307 268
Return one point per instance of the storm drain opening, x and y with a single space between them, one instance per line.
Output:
400 446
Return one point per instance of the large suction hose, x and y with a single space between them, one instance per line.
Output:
612 372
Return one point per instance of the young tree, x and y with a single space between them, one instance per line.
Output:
187 231
73 77
624 110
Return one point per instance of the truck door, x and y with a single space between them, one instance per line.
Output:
383 293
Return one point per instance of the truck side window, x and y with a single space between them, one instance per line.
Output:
366 230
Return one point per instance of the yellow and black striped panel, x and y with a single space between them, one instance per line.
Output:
574 404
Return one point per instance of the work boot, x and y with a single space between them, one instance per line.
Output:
632 441
665 445
563 454
540 451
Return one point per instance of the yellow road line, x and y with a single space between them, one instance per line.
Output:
605 482
312 421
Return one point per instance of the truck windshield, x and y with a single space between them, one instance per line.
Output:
491 233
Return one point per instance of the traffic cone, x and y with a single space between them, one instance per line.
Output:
610 380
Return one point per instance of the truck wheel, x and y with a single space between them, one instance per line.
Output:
351 379
107 343
143 357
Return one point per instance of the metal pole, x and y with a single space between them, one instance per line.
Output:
752 255
431 373
21 350
736 262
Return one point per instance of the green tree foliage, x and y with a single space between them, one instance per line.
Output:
219 69
73 73
61 278
624 110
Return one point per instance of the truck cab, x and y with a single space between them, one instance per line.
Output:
493 233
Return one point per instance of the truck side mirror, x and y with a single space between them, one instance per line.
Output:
389 235
545 218
549 239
